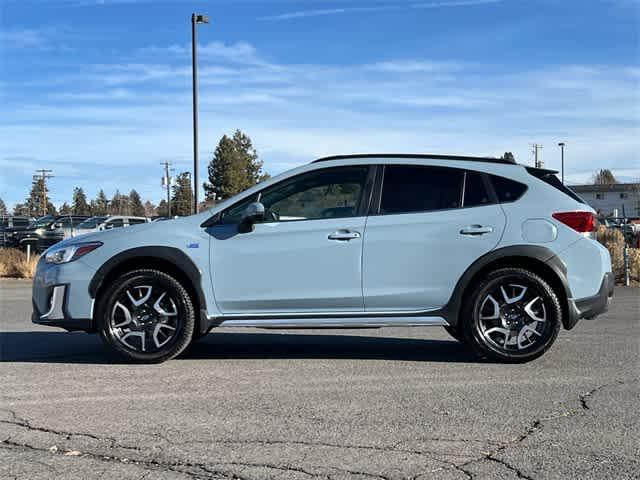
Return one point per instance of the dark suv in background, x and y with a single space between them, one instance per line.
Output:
45 231
10 224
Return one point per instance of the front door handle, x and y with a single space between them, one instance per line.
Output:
344 235
474 230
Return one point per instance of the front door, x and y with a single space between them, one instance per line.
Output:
305 257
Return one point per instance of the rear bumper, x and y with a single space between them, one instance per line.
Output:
591 307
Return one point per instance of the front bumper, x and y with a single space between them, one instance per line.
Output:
591 307
60 296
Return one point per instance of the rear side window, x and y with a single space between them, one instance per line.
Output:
475 191
408 189
20 222
549 177
507 190
135 221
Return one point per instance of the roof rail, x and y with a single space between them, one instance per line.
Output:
416 156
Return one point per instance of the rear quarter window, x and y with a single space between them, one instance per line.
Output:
507 190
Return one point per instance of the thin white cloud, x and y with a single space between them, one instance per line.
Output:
24 38
455 3
323 12
239 52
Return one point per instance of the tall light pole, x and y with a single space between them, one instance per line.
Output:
561 145
195 19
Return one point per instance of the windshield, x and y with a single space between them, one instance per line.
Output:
42 221
92 222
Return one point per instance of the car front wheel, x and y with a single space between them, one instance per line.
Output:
512 315
146 316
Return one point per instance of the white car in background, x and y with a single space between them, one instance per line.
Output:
101 223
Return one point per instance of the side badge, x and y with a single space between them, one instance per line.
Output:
193 245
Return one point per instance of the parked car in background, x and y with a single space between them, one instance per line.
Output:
45 231
61 229
98 224
9 225
501 255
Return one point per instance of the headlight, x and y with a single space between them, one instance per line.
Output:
70 253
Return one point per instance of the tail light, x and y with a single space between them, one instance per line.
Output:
581 222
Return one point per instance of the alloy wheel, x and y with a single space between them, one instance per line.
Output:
144 318
512 317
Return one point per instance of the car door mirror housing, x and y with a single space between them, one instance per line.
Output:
254 213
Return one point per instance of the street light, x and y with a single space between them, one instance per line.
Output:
561 145
195 19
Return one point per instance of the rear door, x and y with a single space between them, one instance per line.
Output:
430 225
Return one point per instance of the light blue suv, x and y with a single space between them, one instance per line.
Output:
500 254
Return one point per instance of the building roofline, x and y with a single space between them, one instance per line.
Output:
612 187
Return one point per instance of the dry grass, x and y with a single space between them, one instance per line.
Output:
13 263
614 241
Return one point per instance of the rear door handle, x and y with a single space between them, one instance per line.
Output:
474 230
344 235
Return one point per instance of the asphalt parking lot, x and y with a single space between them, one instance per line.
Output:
388 404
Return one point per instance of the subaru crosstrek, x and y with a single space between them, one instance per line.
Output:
500 254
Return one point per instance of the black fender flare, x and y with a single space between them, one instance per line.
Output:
538 253
174 256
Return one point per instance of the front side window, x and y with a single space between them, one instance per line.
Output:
330 193
322 194
409 189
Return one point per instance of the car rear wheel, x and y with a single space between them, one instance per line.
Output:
512 315
146 316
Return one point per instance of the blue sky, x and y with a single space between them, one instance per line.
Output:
100 90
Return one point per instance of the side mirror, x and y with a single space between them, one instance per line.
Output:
254 213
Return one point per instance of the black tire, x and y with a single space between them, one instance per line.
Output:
455 333
166 341
533 336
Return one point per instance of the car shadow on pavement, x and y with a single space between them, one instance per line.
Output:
81 348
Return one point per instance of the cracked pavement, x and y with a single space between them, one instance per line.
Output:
398 403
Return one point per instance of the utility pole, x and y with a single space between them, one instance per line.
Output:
195 20
561 145
166 181
41 176
535 148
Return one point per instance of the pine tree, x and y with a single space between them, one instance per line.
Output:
34 202
604 177
66 209
135 204
509 156
119 204
80 205
234 167
149 209
21 209
3 208
100 206
162 209
182 198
